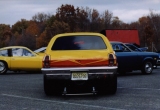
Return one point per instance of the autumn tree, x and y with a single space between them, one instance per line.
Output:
41 17
42 27
95 20
116 23
41 40
46 32
133 25
56 28
66 13
18 30
149 36
154 22
82 21
5 35
107 19
20 26
143 22
30 36
50 21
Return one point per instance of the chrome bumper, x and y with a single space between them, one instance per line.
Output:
65 73
158 61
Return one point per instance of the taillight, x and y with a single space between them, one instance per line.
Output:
111 60
46 63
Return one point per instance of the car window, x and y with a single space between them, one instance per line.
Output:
124 48
27 53
132 47
115 47
79 43
119 47
3 52
17 51
21 52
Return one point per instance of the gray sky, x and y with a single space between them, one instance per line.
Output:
128 11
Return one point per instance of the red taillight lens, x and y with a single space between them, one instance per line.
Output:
111 60
46 63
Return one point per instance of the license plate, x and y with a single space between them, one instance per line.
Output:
79 76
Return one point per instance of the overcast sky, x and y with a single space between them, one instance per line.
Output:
128 11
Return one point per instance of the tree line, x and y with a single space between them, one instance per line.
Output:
38 31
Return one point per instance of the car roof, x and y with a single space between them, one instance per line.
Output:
9 47
79 34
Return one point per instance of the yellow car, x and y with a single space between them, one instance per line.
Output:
19 58
77 60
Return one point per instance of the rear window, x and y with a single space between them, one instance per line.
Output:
79 43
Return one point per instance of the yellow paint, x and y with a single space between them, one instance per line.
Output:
23 62
79 54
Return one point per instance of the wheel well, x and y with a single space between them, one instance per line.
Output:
5 63
150 60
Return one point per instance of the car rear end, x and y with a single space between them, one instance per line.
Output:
79 60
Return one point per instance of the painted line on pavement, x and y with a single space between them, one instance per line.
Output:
139 88
60 102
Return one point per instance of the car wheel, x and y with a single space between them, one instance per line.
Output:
109 85
112 87
51 87
147 67
122 72
47 86
3 67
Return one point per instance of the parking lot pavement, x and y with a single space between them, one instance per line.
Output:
135 91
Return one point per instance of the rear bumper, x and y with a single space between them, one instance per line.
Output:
158 62
66 73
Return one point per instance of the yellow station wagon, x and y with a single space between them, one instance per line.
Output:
75 61
19 58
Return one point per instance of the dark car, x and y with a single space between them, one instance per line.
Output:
158 61
129 60
142 49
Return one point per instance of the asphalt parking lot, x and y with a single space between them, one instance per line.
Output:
24 91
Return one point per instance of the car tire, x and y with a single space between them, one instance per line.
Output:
147 67
109 85
51 87
112 85
122 72
3 67
47 86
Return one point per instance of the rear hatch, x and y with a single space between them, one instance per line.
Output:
78 51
